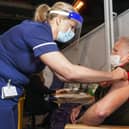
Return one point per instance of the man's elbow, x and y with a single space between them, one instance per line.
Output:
102 113
96 118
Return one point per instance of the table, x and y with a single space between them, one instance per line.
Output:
79 126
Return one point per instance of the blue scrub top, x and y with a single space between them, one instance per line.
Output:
20 48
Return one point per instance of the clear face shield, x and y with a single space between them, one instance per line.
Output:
77 29
72 35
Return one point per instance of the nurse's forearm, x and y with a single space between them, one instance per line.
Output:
76 73
84 74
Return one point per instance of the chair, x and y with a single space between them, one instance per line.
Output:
35 103
79 126
20 111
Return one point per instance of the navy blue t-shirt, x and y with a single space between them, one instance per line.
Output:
20 48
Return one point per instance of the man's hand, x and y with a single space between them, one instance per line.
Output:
74 114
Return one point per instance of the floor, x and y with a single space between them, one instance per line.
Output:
27 122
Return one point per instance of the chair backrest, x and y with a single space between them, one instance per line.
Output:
20 111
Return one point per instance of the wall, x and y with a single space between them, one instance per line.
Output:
92 50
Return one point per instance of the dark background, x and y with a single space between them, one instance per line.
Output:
13 12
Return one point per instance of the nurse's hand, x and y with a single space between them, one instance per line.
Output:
124 60
119 74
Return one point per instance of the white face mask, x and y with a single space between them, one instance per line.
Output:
115 60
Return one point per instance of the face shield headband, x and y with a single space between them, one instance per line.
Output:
71 15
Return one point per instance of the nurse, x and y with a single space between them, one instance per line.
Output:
26 48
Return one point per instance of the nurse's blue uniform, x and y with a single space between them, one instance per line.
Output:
20 48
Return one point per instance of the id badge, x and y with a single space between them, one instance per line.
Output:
8 91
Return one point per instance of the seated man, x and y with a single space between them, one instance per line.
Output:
113 107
